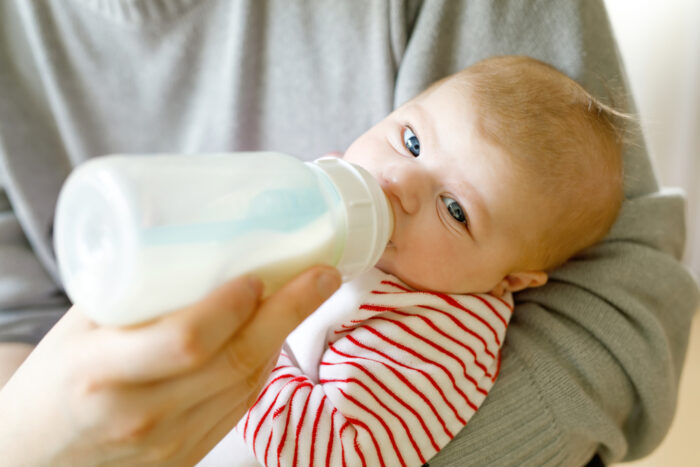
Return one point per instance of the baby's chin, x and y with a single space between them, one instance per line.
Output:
387 267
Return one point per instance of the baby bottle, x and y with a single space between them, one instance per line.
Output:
137 236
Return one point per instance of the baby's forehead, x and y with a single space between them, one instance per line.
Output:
455 86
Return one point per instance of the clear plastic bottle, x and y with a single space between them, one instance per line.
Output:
137 236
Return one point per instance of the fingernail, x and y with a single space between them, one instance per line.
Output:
327 283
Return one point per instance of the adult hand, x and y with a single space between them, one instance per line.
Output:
162 393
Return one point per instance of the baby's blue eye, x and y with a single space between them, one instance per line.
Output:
410 140
455 210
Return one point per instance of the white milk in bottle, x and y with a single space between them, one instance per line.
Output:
137 236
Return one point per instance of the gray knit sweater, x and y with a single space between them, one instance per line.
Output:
592 360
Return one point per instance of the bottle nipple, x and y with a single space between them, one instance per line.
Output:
369 217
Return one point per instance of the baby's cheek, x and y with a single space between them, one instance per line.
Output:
446 270
429 271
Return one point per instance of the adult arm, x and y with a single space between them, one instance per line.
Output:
592 360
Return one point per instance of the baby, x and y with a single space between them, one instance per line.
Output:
496 175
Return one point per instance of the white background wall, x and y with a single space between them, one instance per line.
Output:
660 44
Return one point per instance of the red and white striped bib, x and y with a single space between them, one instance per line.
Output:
382 375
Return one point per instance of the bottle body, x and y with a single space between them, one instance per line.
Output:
137 236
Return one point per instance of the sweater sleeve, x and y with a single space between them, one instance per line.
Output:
31 298
405 374
596 354
30 301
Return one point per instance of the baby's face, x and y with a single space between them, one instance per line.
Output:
459 214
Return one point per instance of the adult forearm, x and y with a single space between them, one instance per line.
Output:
12 354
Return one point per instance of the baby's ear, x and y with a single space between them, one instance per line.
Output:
516 281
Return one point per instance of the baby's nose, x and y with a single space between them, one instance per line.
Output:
407 184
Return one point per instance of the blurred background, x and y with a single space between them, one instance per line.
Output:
660 45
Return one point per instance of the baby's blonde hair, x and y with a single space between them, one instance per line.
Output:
566 141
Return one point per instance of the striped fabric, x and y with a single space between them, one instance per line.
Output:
400 376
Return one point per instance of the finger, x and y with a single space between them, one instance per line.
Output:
174 396
176 342
229 421
153 422
226 410
198 428
213 437
262 336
